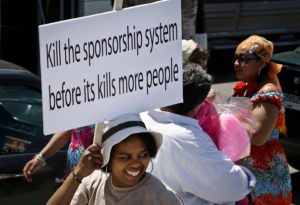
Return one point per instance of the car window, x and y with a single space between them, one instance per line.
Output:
23 103
20 93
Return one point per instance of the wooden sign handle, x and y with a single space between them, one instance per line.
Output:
118 5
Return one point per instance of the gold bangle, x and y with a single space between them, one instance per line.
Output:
76 177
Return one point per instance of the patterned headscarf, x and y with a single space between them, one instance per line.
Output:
263 48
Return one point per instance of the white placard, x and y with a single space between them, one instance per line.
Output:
100 66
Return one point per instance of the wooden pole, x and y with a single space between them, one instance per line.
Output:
118 5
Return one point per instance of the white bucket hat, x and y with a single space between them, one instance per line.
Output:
120 128
188 47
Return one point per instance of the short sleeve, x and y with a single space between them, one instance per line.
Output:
91 189
80 196
274 97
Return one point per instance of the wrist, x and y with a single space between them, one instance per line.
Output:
41 159
76 177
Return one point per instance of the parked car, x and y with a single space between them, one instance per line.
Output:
290 82
21 136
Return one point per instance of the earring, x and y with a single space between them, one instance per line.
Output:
107 168
259 71
151 166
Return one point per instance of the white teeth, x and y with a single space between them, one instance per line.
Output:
133 173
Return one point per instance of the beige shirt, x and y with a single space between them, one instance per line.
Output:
98 189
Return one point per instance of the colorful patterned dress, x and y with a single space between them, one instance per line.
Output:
268 162
81 138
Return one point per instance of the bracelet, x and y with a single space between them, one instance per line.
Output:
41 159
76 177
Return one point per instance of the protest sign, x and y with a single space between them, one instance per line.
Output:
100 66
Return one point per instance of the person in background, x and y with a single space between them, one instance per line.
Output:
192 52
188 160
207 115
117 173
79 140
258 81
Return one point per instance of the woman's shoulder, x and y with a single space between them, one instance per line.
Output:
91 185
269 93
162 191
269 87
155 183
97 177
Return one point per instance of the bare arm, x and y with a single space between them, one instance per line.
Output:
90 160
264 116
56 142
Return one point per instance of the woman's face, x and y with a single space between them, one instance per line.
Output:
129 161
246 65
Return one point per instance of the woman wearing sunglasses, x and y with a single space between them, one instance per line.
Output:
259 81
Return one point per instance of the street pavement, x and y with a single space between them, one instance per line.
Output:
225 88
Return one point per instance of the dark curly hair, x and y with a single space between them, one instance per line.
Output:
196 85
197 56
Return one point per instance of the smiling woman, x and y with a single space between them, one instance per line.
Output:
127 151
130 159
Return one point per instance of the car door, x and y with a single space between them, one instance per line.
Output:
21 136
290 82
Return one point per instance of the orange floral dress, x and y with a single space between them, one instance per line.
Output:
268 162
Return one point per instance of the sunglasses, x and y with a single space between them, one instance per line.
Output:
244 59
